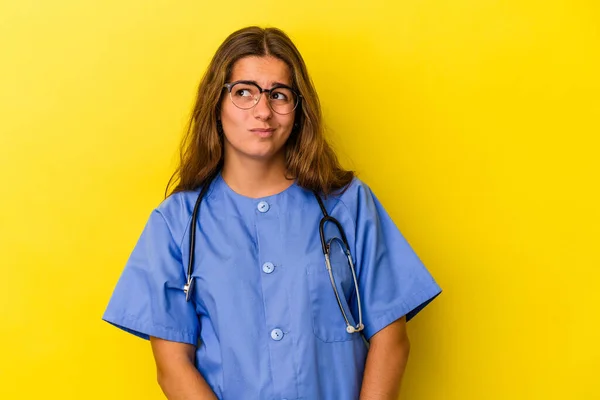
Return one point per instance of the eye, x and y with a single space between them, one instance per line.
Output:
243 93
281 95
278 96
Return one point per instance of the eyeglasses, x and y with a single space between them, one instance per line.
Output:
246 94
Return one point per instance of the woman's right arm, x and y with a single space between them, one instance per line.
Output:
176 373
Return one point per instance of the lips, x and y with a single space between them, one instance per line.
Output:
262 132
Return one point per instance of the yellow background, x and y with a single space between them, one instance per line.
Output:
475 122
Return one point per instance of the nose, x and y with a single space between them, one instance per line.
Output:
262 109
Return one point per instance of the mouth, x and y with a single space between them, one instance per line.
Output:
263 132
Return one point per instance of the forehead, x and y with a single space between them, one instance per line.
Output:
263 70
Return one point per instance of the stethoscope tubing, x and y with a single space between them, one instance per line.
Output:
325 245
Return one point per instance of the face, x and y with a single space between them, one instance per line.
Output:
259 132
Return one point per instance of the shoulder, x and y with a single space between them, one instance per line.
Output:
177 204
355 196
354 189
176 212
360 203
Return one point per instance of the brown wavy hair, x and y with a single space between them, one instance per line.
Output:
309 158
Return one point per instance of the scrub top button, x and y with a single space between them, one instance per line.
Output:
263 206
268 267
277 334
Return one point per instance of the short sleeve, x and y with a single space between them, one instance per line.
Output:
148 299
392 279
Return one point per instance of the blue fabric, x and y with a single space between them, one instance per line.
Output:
264 333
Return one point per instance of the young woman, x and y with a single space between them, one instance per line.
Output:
269 272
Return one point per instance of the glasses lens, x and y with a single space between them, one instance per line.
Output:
244 95
283 100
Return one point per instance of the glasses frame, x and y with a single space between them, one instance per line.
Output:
229 87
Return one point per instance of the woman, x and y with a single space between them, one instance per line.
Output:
263 320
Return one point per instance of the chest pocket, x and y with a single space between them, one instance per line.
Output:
328 322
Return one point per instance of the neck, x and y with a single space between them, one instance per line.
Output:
255 178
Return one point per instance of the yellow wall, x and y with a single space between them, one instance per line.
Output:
475 122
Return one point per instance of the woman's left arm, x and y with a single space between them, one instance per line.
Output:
386 362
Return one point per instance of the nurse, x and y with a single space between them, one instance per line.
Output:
263 320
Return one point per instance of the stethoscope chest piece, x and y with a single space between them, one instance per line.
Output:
353 329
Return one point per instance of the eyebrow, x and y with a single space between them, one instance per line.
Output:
273 84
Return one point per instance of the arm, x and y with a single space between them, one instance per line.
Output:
176 373
386 362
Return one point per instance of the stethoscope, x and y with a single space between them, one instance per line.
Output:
326 246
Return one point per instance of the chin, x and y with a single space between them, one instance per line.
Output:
261 155
255 150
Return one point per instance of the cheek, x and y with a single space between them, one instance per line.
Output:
232 117
286 123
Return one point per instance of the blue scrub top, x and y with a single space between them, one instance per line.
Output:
264 316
